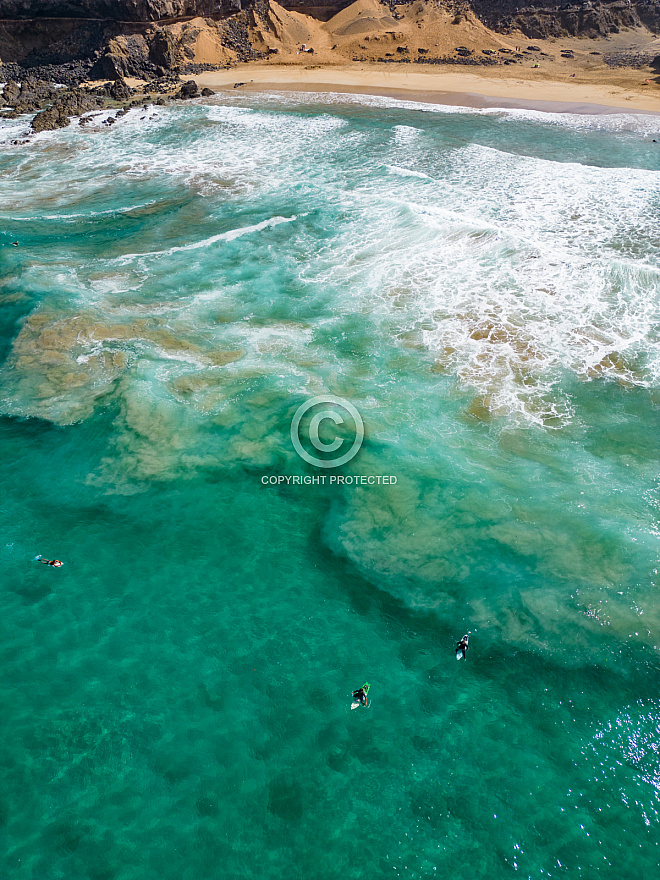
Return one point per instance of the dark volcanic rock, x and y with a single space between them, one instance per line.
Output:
630 59
124 56
116 10
31 95
120 90
206 93
11 92
592 18
69 74
72 102
164 51
235 37
44 41
188 90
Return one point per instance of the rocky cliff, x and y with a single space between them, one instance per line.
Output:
57 32
149 37
149 10
116 10
535 18
590 18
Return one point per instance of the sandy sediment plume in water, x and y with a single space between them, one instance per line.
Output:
367 47
61 365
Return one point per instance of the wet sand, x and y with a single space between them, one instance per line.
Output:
452 88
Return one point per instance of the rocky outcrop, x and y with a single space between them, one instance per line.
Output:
30 95
188 90
59 105
164 51
39 42
589 18
119 91
116 10
71 102
124 56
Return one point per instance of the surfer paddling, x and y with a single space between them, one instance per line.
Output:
359 696
462 646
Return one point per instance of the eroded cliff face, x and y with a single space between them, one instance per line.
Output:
148 37
116 10
590 18
41 32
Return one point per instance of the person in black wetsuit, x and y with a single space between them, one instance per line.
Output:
360 696
463 645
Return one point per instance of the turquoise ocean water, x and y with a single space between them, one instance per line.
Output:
484 286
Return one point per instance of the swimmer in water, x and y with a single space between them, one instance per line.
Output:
56 563
463 646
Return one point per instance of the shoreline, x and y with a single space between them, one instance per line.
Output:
481 91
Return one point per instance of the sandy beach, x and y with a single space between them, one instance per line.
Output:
501 88
364 50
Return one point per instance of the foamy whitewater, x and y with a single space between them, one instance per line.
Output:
484 286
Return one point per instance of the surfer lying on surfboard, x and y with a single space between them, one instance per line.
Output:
462 647
360 696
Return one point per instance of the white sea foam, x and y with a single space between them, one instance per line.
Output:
86 215
515 271
14 129
509 272
407 172
297 127
405 134
643 123
230 235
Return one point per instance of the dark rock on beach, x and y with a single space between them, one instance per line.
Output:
164 51
120 90
188 90
151 54
69 74
630 59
